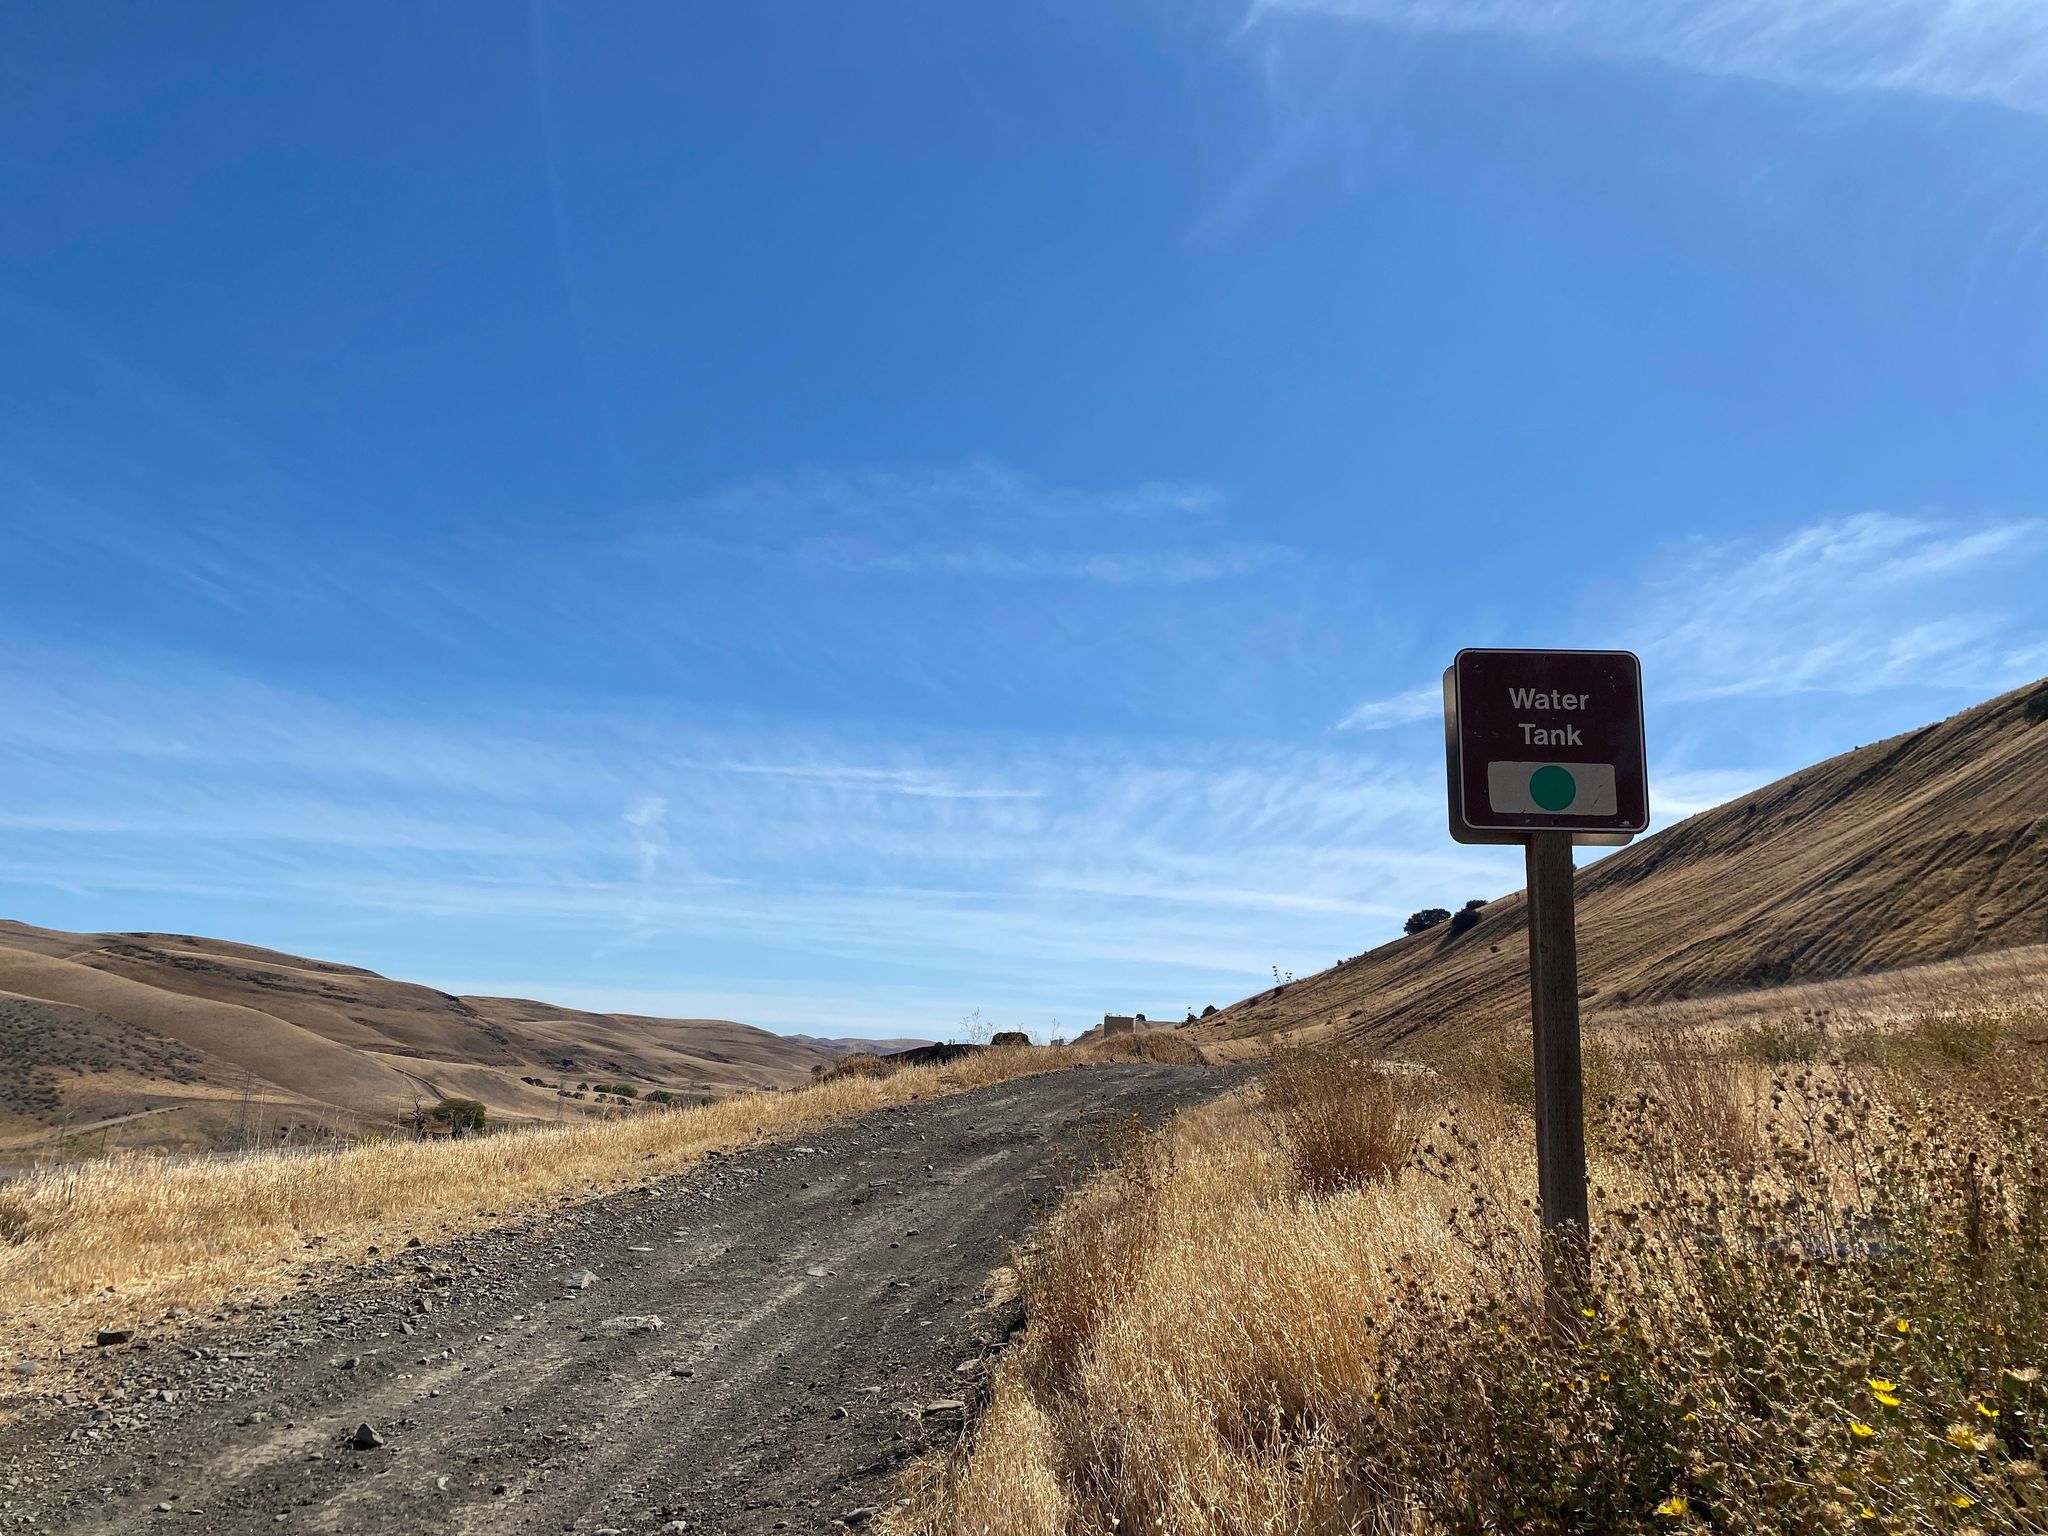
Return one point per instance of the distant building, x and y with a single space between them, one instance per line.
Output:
1119 1024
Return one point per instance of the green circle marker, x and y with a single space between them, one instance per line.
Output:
1553 787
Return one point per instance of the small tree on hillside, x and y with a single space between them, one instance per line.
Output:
464 1116
1428 917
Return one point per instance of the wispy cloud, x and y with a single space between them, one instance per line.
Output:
704 858
648 817
1979 50
923 783
1151 567
814 589
912 502
1853 605
1425 703
976 521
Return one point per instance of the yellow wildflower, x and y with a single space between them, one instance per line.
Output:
1673 1507
1860 1430
1988 1411
1903 1325
1959 1435
1962 1501
1867 1512
1879 1385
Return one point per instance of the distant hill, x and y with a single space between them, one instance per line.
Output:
846 1045
1924 847
188 1042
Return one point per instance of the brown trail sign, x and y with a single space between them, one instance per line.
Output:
1545 748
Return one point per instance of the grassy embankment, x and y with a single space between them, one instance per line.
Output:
1820 1299
120 1240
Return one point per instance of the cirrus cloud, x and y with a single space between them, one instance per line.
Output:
1973 50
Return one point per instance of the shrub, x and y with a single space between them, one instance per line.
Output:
1339 1117
1167 1050
1960 1037
619 1090
859 1064
1851 1340
462 1115
1464 920
1502 1066
1427 918
1781 1042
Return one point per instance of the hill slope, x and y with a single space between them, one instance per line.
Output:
1922 847
177 1037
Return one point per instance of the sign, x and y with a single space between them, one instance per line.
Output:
1545 748
1545 741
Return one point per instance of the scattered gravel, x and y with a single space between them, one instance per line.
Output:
465 1387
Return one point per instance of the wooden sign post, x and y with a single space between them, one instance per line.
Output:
1545 748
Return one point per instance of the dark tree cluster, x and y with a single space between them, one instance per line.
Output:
1466 919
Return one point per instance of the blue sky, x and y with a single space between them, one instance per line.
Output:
837 516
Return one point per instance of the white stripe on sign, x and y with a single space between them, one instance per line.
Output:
1551 789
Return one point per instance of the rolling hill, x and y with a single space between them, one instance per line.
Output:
1923 847
180 1042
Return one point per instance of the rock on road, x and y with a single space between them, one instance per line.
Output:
817 1302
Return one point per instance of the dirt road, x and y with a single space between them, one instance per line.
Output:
816 1304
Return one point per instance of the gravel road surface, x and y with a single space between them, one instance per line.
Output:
822 1318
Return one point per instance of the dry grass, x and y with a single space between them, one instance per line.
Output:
120 1239
1820 1303
1340 1119
859 1064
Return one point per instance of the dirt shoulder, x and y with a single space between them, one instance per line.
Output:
816 1300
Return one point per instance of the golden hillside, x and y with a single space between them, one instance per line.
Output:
169 1040
1923 847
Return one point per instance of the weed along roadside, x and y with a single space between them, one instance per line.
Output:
1820 1287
